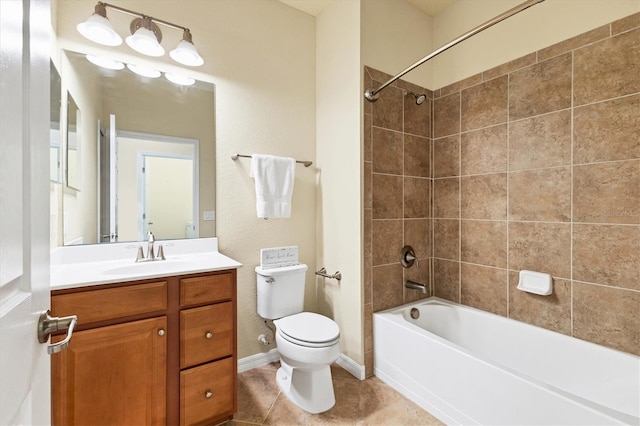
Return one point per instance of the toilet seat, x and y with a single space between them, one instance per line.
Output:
308 329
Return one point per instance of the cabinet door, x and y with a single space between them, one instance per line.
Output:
113 375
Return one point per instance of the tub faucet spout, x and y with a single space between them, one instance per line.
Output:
422 288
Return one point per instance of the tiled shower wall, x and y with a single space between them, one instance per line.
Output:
535 165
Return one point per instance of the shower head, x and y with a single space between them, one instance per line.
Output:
420 98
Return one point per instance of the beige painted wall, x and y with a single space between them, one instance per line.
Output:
265 103
395 35
539 26
338 100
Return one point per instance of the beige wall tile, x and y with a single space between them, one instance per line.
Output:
367 185
540 246
510 66
446 156
539 142
484 104
607 69
483 197
484 151
540 88
387 110
574 43
387 151
387 196
417 156
367 280
607 192
417 118
552 312
607 316
484 288
366 233
367 132
607 254
446 238
446 198
368 327
625 24
446 115
484 242
543 194
387 287
417 234
387 241
446 279
607 131
417 197
462 84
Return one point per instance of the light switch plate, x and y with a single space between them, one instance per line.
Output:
208 215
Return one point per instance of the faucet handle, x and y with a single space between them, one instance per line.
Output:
160 254
140 255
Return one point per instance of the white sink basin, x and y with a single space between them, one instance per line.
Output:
154 267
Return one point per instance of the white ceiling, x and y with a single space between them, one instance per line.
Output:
315 7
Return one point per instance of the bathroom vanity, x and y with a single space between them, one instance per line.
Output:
150 350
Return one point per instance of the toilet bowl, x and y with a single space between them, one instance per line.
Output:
304 375
307 342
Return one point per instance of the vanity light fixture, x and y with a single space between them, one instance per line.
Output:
144 71
109 64
145 35
179 79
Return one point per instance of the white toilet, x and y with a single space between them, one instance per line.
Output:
308 343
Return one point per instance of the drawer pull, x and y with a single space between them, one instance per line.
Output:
161 332
208 394
208 335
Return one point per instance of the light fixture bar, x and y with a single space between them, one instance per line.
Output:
142 15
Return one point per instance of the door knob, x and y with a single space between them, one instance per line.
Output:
48 324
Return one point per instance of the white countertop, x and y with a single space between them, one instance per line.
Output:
87 265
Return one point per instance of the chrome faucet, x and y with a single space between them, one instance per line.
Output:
140 257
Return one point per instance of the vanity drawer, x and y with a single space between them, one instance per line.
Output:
111 303
208 289
206 392
206 333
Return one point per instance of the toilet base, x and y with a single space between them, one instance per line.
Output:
311 390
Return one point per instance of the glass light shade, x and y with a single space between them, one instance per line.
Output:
98 29
145 42
105 62
179 79
186 54
144 71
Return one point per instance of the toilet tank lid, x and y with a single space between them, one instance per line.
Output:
272 272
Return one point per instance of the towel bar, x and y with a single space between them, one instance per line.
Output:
234 157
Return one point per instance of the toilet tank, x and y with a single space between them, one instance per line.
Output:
280 291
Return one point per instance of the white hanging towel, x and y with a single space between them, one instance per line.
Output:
274 178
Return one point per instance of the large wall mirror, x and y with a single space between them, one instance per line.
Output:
140 156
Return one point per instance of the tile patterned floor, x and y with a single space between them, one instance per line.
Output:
368 402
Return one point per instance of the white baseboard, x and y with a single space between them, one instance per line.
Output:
258 360
351 366
264 358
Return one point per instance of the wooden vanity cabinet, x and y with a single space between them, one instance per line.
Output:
151 352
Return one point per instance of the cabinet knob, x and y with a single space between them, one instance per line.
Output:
208 394
161 332
208 335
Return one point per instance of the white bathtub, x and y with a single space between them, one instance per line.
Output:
467 366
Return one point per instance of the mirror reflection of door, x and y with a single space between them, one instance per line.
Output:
167 196
157 177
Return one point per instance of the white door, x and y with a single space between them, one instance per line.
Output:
24 210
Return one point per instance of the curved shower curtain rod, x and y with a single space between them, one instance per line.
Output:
373 94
